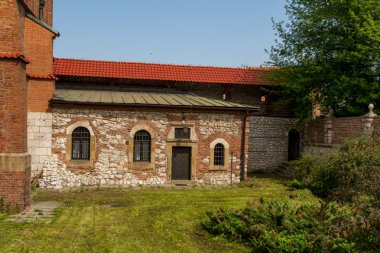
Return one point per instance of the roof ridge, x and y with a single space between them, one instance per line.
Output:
158 71
161 64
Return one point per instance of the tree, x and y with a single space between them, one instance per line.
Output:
328 53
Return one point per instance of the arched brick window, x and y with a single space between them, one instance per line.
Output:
141 146
80 144
219 154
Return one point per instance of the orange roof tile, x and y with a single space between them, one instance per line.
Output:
16 55
163 72
41 76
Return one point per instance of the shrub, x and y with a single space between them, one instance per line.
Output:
346 172
283 226
351 176
349 179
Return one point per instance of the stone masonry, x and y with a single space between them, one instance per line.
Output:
268 142
39 139
113 164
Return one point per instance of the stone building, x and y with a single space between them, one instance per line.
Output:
204 125
67 122
122 123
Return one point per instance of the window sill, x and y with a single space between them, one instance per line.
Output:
81 163
141 165
182 140
218 168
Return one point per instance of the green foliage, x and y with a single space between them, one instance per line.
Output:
351 170
283 226
328 52
349 179
350 176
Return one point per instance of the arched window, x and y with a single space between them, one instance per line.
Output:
80 144
219 154
141 146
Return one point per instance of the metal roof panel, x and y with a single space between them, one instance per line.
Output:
163 99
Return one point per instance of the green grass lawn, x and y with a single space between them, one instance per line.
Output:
132 220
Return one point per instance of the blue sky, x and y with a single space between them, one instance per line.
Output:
193 32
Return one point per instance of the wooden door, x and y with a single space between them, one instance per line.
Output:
181 163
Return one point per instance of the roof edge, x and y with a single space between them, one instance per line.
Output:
17 56
217 108
161 64
156 80
42 76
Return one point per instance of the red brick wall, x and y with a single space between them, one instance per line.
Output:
376 125
15 188
11 27
14 185
34 6
39 51
13 90
48 12
337 130
20 36
39 93
13 113
345 128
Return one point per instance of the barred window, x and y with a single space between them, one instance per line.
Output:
80 144
182 133
219 154
141 147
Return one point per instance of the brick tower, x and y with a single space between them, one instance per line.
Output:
26 42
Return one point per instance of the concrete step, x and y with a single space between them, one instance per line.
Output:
284 170
37 211
181 183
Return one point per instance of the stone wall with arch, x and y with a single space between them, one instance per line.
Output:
113 132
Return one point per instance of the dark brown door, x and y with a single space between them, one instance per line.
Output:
181 163
294 145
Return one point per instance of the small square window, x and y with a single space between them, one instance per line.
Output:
182 133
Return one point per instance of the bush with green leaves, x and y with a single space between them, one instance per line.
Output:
347 220
287 225
351 177
353 169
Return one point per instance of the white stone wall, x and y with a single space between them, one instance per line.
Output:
268 142
56 175
112 165
39 139
219 178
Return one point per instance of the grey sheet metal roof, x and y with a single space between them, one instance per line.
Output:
144 99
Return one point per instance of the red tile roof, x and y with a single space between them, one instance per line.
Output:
164 72
16 55
41 76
